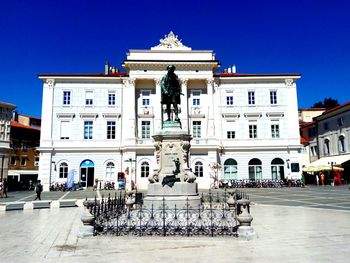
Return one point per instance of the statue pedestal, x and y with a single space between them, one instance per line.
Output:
173 182
180 194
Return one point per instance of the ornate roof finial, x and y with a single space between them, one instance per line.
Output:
170 41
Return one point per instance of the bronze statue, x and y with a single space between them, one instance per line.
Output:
171 92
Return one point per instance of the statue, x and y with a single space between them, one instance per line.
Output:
171 92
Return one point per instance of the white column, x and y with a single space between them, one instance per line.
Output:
184 105
129 111
46 113
157 107
211 124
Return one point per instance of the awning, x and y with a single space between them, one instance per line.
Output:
325 163
321 168
337 160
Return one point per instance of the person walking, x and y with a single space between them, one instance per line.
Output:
38 190
322 178
6 186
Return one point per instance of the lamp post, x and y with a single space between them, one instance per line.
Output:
332 165
130 161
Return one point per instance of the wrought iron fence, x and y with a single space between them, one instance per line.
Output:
216 216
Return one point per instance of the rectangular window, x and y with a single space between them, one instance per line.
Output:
196 98
231 134
145 102
66 97
196 129
273 97
295 168
89 98
111 129
146 129
146 97
229 100
275 131
88 125
253 131
65 130
23 161
13 160
251 97
111 98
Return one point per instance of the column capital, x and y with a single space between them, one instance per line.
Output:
50 83
184 82
209 81
130 81
157 81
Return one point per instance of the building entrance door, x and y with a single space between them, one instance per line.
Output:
87 171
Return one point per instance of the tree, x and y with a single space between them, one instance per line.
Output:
326 103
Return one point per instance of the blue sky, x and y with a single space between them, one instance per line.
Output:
307 37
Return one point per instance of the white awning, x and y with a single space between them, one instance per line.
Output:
337 160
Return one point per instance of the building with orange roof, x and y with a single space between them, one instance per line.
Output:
23 156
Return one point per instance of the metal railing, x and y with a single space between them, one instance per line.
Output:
215 216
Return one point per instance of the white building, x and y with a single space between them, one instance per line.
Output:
102 124
329 139
6 110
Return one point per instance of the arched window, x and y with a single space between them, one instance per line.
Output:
255 169
144 169
63 170
277 169
198 169
230 169
326 147
110 170
341 143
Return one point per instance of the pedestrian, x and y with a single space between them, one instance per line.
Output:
38 190
322 178
1 189
5 187
317 180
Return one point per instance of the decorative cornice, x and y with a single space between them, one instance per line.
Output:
289 82
111 115
88 115
50 83
65 115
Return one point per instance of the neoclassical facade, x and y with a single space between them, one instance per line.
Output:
97 125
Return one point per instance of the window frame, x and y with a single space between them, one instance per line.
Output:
197 129
251 97
66 100
110 170
111 98
275 130
88 129
145 169
273 97
145 129
111 130
253 131
63 170
198 169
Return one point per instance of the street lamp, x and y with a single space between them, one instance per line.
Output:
288 163
130 161
332 165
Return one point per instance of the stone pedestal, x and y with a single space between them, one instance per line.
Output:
180 194
173 181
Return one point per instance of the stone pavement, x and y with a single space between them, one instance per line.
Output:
286 234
